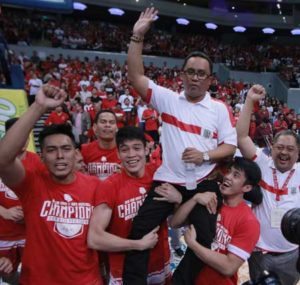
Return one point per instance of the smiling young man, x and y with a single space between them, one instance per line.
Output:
118 202
101 156
237 228
281 191
57 201
196 129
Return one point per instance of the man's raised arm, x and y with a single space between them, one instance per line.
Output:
135 61
11 168
245 144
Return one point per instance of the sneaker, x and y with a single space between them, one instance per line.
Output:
179 252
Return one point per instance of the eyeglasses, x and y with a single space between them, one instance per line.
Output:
282 147
201 74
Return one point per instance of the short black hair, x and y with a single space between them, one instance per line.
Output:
102 112
253 176
287 133
249 167
130 133
199 54
64 129
9 123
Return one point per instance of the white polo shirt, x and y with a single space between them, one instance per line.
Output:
271 238
203 125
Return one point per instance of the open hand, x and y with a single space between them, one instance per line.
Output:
144 22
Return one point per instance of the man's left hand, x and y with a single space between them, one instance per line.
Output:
192 155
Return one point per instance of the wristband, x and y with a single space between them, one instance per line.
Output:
136 39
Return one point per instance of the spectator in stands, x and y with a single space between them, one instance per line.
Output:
34 85
101 155
120 115
81 123
109 103
83 93
127 105
150 116
280 186
57 117
280 124
264 134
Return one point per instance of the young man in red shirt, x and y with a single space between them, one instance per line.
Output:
101 156
118 202
57 200
57 117
237 230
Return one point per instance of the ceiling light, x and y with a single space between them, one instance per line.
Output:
278 5
182 21
268 31
280 13
235 16
239 29
232 7
211 26
295 32
116 11
79 6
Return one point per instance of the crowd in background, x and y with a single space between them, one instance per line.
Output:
103 84
64 32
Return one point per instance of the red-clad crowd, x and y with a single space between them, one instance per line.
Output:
41 29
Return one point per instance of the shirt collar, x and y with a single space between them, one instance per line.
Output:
205 102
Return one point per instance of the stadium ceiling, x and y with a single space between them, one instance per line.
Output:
251 13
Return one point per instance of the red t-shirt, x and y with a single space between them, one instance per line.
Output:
10 230
57 119
120 114
151 120
100 162
109 104
237 232
57 218
280 126
124 195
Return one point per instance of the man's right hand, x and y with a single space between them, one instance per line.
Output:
50 96
149 240
144 22
256 93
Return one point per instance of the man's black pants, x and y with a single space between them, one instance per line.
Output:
151 214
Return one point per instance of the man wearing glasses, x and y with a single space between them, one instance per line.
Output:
280 185
195 129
